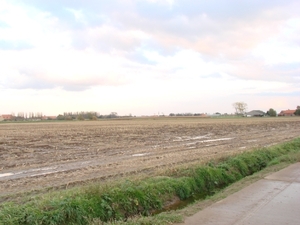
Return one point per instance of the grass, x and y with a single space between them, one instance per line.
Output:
196 206
132 201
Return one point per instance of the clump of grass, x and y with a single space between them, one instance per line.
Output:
126 201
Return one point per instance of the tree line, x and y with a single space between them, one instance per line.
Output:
27 116
86 116
187 114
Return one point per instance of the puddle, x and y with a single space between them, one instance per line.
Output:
138 155
193 143
6 174
198 137
87 162
43 174
205 141
42 171
219 139
190 138
35 170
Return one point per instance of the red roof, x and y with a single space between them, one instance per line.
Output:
289 111
7 116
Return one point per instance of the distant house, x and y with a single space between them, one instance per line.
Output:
288 112
255 113
49 117
216 114
52 117
7 117
1 118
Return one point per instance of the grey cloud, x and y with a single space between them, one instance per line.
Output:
213 28
84 84
26 81
30 79
255 69
222 31
74 87
183 25
137 55
287 73
37 84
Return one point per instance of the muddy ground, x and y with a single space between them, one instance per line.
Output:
35 156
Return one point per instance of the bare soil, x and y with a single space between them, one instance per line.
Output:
35 156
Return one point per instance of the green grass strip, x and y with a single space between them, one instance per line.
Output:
131 198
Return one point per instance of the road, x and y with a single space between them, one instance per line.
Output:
272 200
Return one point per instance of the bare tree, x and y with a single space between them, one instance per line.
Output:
240 107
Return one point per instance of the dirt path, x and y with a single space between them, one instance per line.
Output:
272 200
34 156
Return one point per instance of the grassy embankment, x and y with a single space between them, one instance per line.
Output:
130 201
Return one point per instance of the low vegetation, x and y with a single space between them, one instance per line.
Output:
131 202
272 112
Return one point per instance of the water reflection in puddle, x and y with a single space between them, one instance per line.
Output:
6 174
141 154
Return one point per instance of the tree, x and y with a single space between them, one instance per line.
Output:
59 117
80 117
272 112
68 118
297 112
240 107
112 115
94 118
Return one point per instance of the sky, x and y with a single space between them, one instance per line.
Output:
148 57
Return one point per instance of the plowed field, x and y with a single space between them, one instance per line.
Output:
34 156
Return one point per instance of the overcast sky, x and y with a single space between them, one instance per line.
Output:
146 57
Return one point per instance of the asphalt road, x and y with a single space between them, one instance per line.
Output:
272 200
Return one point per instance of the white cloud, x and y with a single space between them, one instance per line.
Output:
147 56
283 48
275 52
37 28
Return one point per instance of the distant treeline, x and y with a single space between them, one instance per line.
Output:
22 116
86 116
187 114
